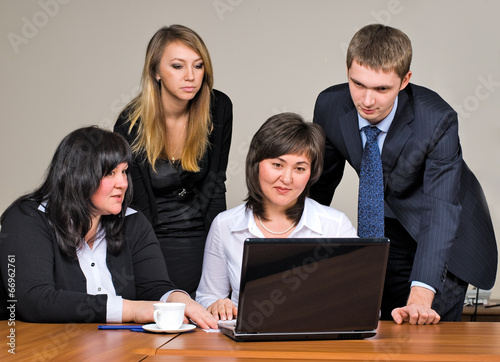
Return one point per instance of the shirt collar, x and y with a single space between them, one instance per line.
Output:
383 125
247 222
309 219
244 222
128 212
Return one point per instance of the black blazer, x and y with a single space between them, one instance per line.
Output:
51 288
428 186
212 190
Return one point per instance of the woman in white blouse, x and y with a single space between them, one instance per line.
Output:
284 159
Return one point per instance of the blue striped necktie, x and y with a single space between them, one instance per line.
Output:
371 188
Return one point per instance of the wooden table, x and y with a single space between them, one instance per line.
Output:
78 342
447 341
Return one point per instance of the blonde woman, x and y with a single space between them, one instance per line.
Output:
180 132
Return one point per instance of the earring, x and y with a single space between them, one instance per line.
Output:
158 81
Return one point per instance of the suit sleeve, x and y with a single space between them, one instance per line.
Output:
439 207
150 272
333 167
27 236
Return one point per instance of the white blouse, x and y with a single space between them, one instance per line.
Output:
224 247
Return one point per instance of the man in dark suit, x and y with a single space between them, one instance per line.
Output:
436 216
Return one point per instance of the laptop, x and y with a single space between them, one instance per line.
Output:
309 288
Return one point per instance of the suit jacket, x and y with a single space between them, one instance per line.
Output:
212 190
427 185
49 287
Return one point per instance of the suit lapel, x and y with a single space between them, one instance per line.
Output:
351 135
398 134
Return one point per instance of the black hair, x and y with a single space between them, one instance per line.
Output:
80 162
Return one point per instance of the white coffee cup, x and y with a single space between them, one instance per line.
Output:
169 316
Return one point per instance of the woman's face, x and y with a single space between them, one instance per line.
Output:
181 71
283 179
109 196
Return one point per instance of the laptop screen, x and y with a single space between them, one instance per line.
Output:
311 285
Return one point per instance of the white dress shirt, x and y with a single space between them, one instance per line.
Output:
224 247
99 281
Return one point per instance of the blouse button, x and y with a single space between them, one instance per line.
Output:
99 289
93 264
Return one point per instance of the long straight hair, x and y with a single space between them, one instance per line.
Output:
80 162
147 106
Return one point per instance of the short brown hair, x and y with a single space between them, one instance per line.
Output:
378 46
282 134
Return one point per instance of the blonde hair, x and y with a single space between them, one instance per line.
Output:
147 105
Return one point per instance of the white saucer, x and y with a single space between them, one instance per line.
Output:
155 329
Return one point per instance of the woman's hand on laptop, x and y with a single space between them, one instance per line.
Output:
223 309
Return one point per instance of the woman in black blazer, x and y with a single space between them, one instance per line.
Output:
180 132
76 252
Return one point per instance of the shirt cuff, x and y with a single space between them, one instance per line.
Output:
114 309
423 285
114 306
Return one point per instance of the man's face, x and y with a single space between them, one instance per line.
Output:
374 91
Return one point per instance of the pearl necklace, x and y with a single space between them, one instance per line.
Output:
275 232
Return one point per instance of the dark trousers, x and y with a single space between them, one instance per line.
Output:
184 259
448 302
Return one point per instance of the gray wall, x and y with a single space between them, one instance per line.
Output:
66 64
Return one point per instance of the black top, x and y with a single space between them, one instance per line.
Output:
51 288
208 186
176 201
